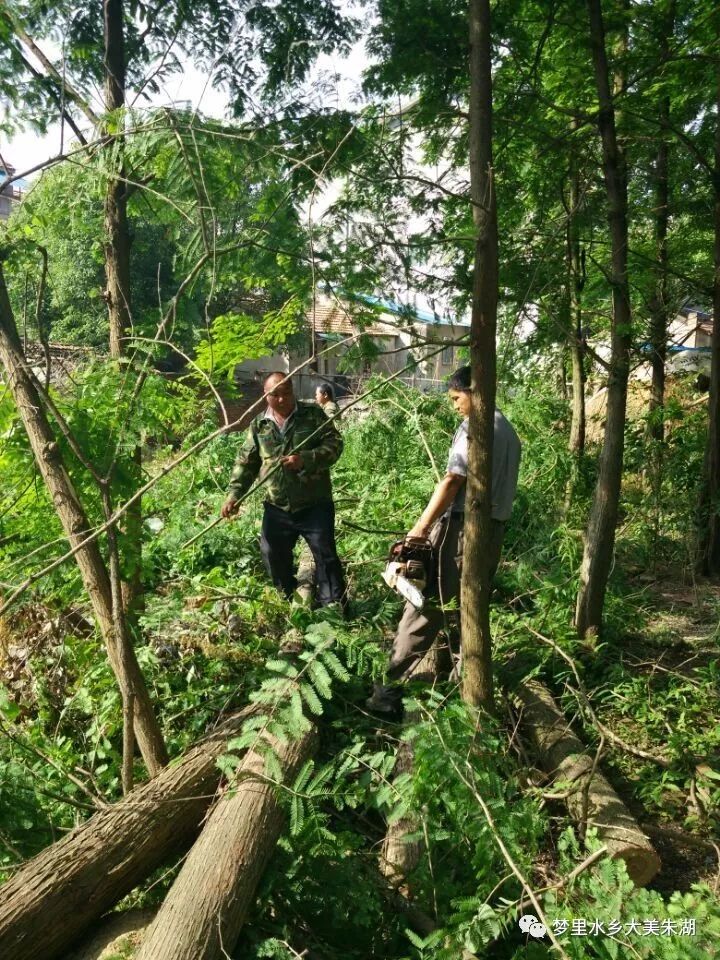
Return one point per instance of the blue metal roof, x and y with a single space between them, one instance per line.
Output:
690 307
675 348
707 350
18 184
406 310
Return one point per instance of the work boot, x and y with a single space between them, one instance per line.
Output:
386 702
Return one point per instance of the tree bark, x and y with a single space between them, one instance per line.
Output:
117 235
65 889
659 307
400 855
477 686
709 554
600 535
659 302
76 526
565 758
204 912
117 277
575 285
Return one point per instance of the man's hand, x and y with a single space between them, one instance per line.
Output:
229 508
292 462
419 530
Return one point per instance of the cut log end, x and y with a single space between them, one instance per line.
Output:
642 862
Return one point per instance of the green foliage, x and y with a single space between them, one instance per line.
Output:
607 894
203 180
211 630
235 337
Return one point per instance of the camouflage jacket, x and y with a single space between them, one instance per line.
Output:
330 408
308 434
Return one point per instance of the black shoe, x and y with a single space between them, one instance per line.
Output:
386 702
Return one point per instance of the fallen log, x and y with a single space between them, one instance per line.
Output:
306 576
204 912
402 849
563 755
57 895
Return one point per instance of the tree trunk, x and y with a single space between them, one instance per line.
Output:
117 235
477 685
575 285
204 912
577 425
76 526
117 278
659 306
659 302
591 800
709 559
402 849
62 891
600 535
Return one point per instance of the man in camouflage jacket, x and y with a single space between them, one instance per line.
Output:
293 445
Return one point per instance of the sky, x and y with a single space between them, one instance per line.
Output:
27 149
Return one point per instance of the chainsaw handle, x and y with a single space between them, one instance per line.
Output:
396 548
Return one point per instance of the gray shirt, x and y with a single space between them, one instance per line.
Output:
505 468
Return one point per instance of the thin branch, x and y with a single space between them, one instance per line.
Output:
582 696
98 802
50 68
470 784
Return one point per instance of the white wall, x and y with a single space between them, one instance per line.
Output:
250 370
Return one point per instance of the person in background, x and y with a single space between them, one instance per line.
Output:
293 445
442 523
325 398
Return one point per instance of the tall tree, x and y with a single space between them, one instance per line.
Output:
600 534
118 289
117 233
136 46
102 587
659 303
709 559
575 283
475 605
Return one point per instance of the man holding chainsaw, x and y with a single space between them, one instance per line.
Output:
291 446
436 542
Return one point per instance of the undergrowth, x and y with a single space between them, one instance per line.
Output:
209 641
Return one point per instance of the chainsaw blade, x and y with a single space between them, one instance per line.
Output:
410 592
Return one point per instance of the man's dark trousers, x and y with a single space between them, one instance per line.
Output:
316 525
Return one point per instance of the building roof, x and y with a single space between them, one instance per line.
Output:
333 316
17 187
697 310
411 312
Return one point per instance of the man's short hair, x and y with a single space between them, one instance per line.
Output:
326 391
275 373
460 380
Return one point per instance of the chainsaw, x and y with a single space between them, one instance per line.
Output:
408 568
